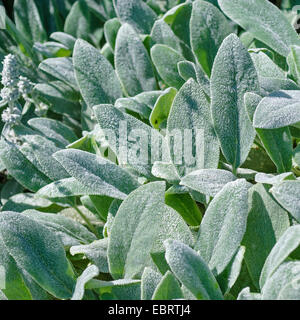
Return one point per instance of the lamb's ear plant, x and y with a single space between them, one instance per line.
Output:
149 150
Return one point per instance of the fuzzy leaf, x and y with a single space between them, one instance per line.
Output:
232 76
96 78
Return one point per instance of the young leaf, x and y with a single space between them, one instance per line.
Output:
132 62
232 76
223 226
192 271
264 20
96 77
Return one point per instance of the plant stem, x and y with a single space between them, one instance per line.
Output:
88 222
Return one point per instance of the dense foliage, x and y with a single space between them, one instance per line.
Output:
150 150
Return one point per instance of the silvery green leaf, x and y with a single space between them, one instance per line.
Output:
207 181
150 280
51 49
233 74
189 70
161 109
136 13
191 111
165 60
278 110
287 194
283 284
272 179
168 288
120 126
59 97
264 20
161 33
111 28
179 20
269 85
97 173
54 130
27 241
224 225
61 69
287 243
142 103
208 28
28 20
14 286
132 62
42 149
88 274
77 22
24 201
229 276
266 223
68 187
95 252
64 38
277 142
185 205
166 171
265 66
96 77
131 239
23 170
192 271
70 232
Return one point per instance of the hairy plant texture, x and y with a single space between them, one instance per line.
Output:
150 149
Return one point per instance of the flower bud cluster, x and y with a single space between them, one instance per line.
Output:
11 117
25 86
10 72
